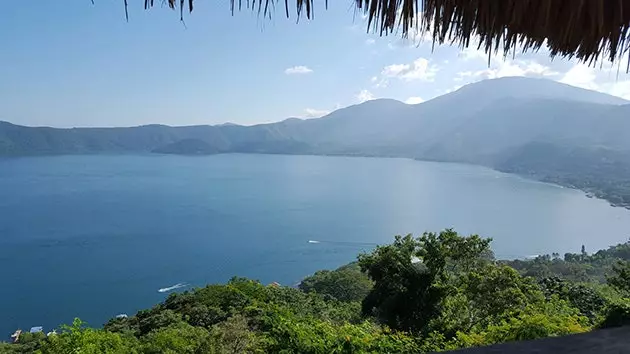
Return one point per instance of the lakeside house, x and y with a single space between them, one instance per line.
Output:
15 337
36 329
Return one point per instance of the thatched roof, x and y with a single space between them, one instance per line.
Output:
588 30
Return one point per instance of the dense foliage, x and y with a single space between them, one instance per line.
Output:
577 267
347 283
437 292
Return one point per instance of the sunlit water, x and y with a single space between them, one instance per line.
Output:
95 236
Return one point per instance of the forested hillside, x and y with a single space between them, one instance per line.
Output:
437 292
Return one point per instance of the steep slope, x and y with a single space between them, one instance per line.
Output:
386 127
514 122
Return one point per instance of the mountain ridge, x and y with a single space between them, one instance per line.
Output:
595 97
477 119
537 128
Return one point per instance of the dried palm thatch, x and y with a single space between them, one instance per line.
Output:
588 30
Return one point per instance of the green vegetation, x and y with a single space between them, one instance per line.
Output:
347 283
577 267
600 172
438 292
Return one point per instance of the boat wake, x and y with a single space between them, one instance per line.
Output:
313 241
173 287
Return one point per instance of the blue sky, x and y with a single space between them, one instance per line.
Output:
84 65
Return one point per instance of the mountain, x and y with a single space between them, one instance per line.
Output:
513 124
521 87
477 121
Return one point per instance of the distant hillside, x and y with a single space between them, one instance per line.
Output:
482 123
469 124
187 147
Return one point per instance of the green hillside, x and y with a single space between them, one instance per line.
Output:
437 292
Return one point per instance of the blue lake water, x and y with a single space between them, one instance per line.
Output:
95 236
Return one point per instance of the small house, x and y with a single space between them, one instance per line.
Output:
15 337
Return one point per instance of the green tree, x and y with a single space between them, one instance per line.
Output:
413 276
156 318
488 295
347 283
204 316
233 336
589 301
554 317
617 314
28 343
79 339
620 279
178 338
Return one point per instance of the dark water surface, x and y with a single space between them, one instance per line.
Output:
95 236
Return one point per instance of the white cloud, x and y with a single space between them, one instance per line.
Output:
501 66
370 41
420 69
472 53
581 75
299 69
449 68
414 100
364 95
506 67
593 78
620 89
574 74
394 70
315 113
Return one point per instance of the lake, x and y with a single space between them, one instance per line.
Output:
95 236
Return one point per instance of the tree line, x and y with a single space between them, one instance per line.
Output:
437 292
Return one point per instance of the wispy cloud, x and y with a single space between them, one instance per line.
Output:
580 75
419 70
620 89
503 68
584 76
364 95
299 69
